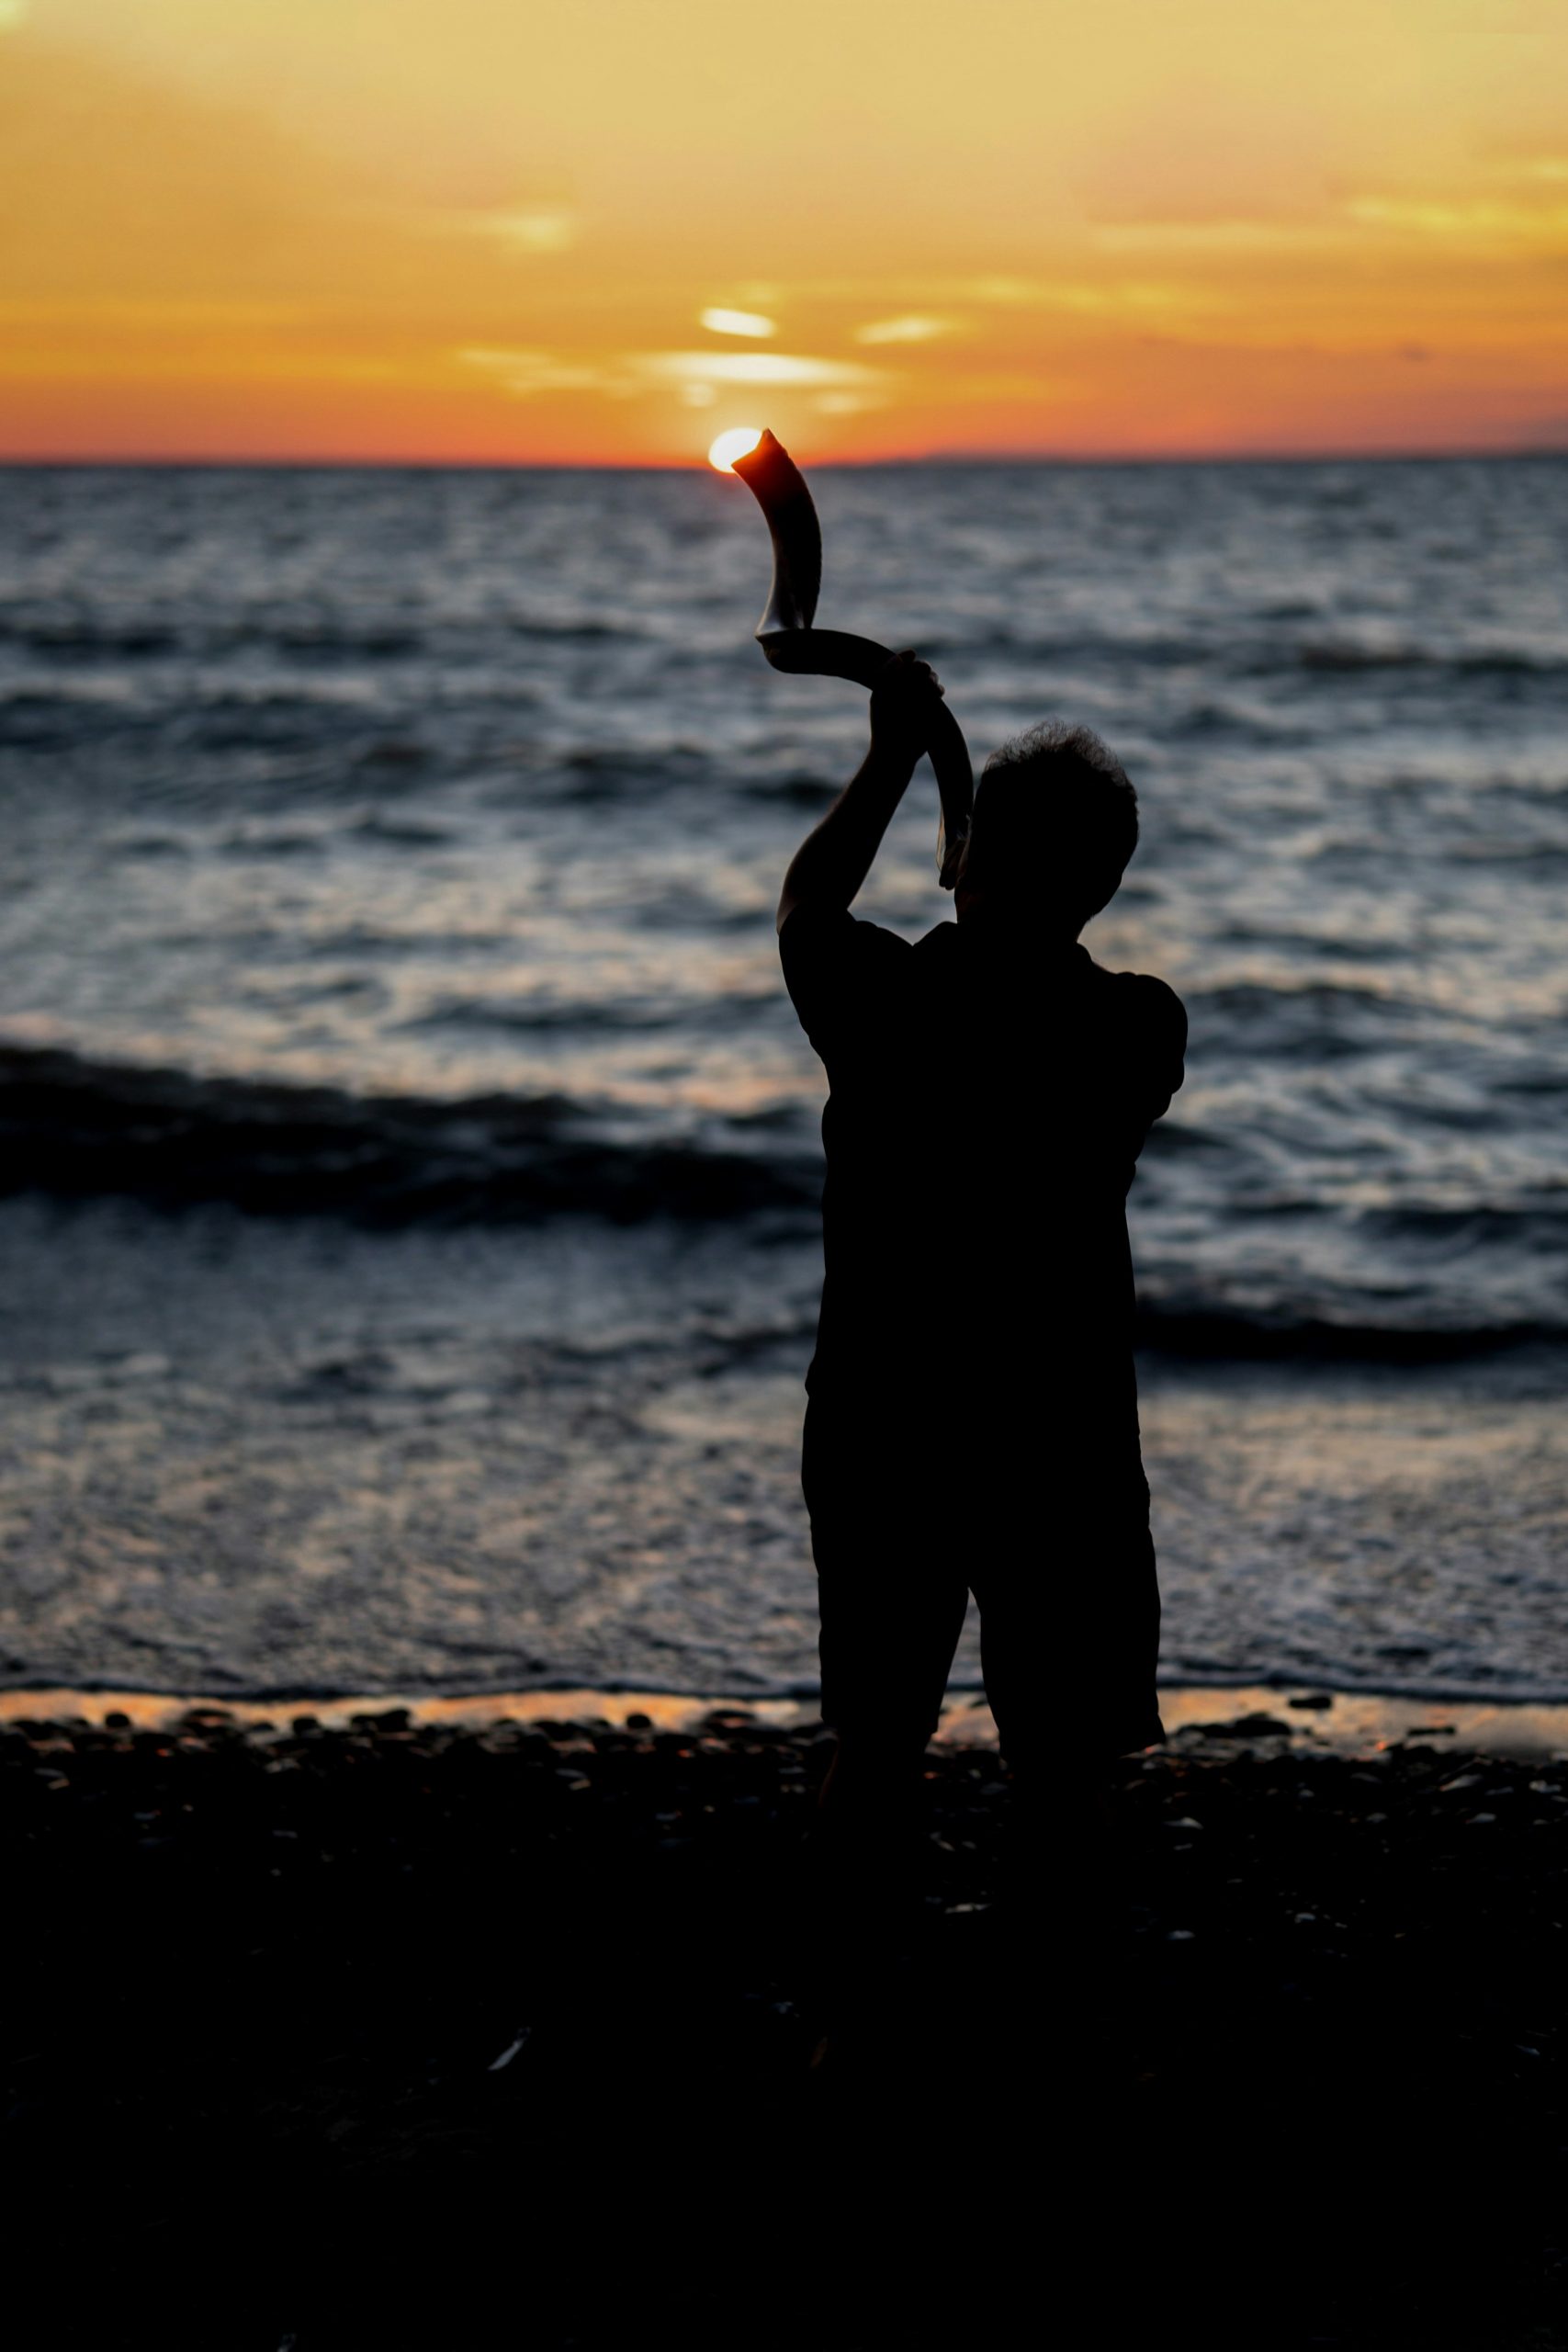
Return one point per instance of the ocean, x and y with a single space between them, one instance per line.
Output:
410 1156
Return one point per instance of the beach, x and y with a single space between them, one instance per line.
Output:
403 2030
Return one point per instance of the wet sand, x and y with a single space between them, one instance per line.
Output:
422 2031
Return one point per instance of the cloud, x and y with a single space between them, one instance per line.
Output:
1531 170
1485 219
1004 384
1219 236
1119 296
152 315
753 368
524 373
695 374
531 228
720 322
913 328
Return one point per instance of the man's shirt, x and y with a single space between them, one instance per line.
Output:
988 1101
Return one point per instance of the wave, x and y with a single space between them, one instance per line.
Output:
120 701
1306 1020
1537 1226
76 1128
1477 661
585 1017
570 628
1193 1333
192 634
94 640
1258 996
1250 652
117 640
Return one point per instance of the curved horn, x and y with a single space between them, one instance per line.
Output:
791 644
777 484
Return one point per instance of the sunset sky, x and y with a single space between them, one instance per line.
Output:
485 230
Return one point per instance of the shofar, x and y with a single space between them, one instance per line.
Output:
787 638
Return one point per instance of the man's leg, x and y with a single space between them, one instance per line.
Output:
891 1597
891 1616
890 1623
1069 1631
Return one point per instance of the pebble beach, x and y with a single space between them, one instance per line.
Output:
392 2031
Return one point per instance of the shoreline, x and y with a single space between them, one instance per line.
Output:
1346 1721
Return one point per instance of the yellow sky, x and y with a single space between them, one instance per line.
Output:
605 230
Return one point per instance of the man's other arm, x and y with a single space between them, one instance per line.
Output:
830 864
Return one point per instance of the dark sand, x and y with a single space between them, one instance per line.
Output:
433 2034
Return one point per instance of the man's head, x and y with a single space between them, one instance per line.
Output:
1054 822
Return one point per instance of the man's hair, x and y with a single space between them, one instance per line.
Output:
1054 819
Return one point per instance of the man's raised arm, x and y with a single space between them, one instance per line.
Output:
830 864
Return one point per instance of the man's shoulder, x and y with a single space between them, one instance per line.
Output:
1145 996
840 971
829 942
810 920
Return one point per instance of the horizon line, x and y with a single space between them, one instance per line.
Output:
1457 455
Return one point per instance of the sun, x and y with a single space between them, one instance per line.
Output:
738 442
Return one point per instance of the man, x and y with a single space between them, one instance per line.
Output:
972 1422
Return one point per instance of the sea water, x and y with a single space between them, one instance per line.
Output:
390 1015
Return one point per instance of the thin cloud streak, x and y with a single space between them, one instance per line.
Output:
749 322
913 328
526 374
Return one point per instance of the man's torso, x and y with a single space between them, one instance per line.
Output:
986 1110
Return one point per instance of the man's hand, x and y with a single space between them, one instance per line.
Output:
902 709
830 864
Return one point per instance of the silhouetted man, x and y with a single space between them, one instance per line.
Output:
973 1423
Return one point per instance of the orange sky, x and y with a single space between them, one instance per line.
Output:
519 230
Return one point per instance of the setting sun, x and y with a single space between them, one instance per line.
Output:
738 442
